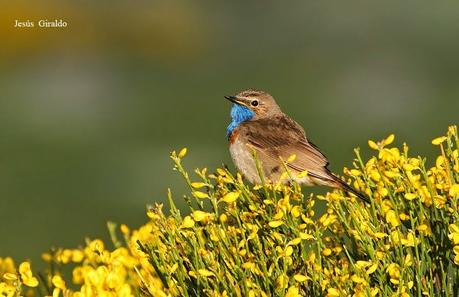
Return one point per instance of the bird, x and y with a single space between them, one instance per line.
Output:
259 126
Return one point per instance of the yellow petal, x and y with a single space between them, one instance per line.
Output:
326 252
279 215
182 152
389 139
31 282
199 215
306 236
248 265
295 241
198 185
453 228
291 158
332 292
187 222
357 279
24 269
356 172
231 197
454 190
205 272
296 211
408 260
223 218
422 228
372 268
275 224
174 268
200 195
373 145
221 172
10 276
410 196
58 282
302 174
124 229
300 278
439 140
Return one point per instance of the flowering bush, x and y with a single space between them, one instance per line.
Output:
271 240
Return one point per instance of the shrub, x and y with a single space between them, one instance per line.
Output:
272 240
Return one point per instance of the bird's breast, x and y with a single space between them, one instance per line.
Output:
233 136
242 157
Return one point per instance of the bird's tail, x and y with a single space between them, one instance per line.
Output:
344 186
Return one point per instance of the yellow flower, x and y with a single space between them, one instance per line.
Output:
78 255
200 195
282 281
288 251
327 219
187 222
198 185
182 152
394 272
295 241
296 211
300 278
124 229
326 252
152 214
454 190
293 292
223 218
372 268
453 233
410 196
26 275
10 276
425 229
439 140
373 145
374 174
374 291
302 174
205 272
248 265
332 292
291 158
306 236
408 260
456 252
275 224
199 215
362 264
279 215
389 139
58 282
410 240
391 218
357 279
231 197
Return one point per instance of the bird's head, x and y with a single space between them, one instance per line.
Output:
258 104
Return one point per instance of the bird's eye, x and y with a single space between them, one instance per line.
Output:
254 103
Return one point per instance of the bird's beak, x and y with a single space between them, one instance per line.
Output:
236 100
231 98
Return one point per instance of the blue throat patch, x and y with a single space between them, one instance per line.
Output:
239 114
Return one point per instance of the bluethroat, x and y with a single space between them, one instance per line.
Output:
259 125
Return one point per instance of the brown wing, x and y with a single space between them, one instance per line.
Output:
282 137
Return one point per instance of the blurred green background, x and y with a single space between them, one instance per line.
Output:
89 113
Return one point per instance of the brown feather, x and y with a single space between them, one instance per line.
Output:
280 137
